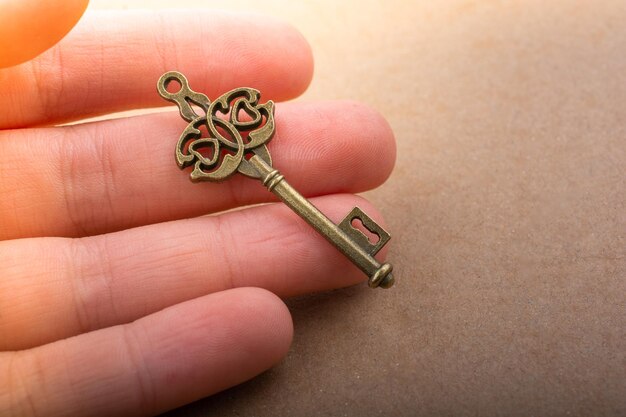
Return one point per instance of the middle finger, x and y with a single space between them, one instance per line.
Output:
111 175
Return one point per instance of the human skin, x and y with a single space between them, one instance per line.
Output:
115 297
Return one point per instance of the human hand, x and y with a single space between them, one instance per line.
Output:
113 299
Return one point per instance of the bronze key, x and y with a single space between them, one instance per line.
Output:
219 145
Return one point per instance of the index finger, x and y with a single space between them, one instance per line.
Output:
110 62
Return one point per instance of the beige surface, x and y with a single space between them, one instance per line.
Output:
506 207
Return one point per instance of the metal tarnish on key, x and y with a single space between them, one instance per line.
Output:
217 147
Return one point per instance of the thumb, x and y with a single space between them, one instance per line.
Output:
29 27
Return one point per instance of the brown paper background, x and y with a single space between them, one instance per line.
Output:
506 209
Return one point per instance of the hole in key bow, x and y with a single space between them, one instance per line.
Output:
173 86
372 236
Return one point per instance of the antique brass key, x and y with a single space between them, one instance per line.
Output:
219 145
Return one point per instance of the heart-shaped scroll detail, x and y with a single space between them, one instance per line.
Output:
224 141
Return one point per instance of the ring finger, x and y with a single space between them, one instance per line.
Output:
54 288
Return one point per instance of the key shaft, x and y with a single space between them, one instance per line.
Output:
379 274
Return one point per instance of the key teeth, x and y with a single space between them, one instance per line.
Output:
359 237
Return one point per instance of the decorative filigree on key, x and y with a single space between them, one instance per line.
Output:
218 141
231 135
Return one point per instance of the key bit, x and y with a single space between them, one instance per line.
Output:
237 129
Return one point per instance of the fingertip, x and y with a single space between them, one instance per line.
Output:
295 55
271 327
304 65
377 138
388 139
351 143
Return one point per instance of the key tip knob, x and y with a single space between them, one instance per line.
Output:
382 277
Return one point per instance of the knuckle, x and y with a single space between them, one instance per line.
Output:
145 391
91 278
89 181
48 80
